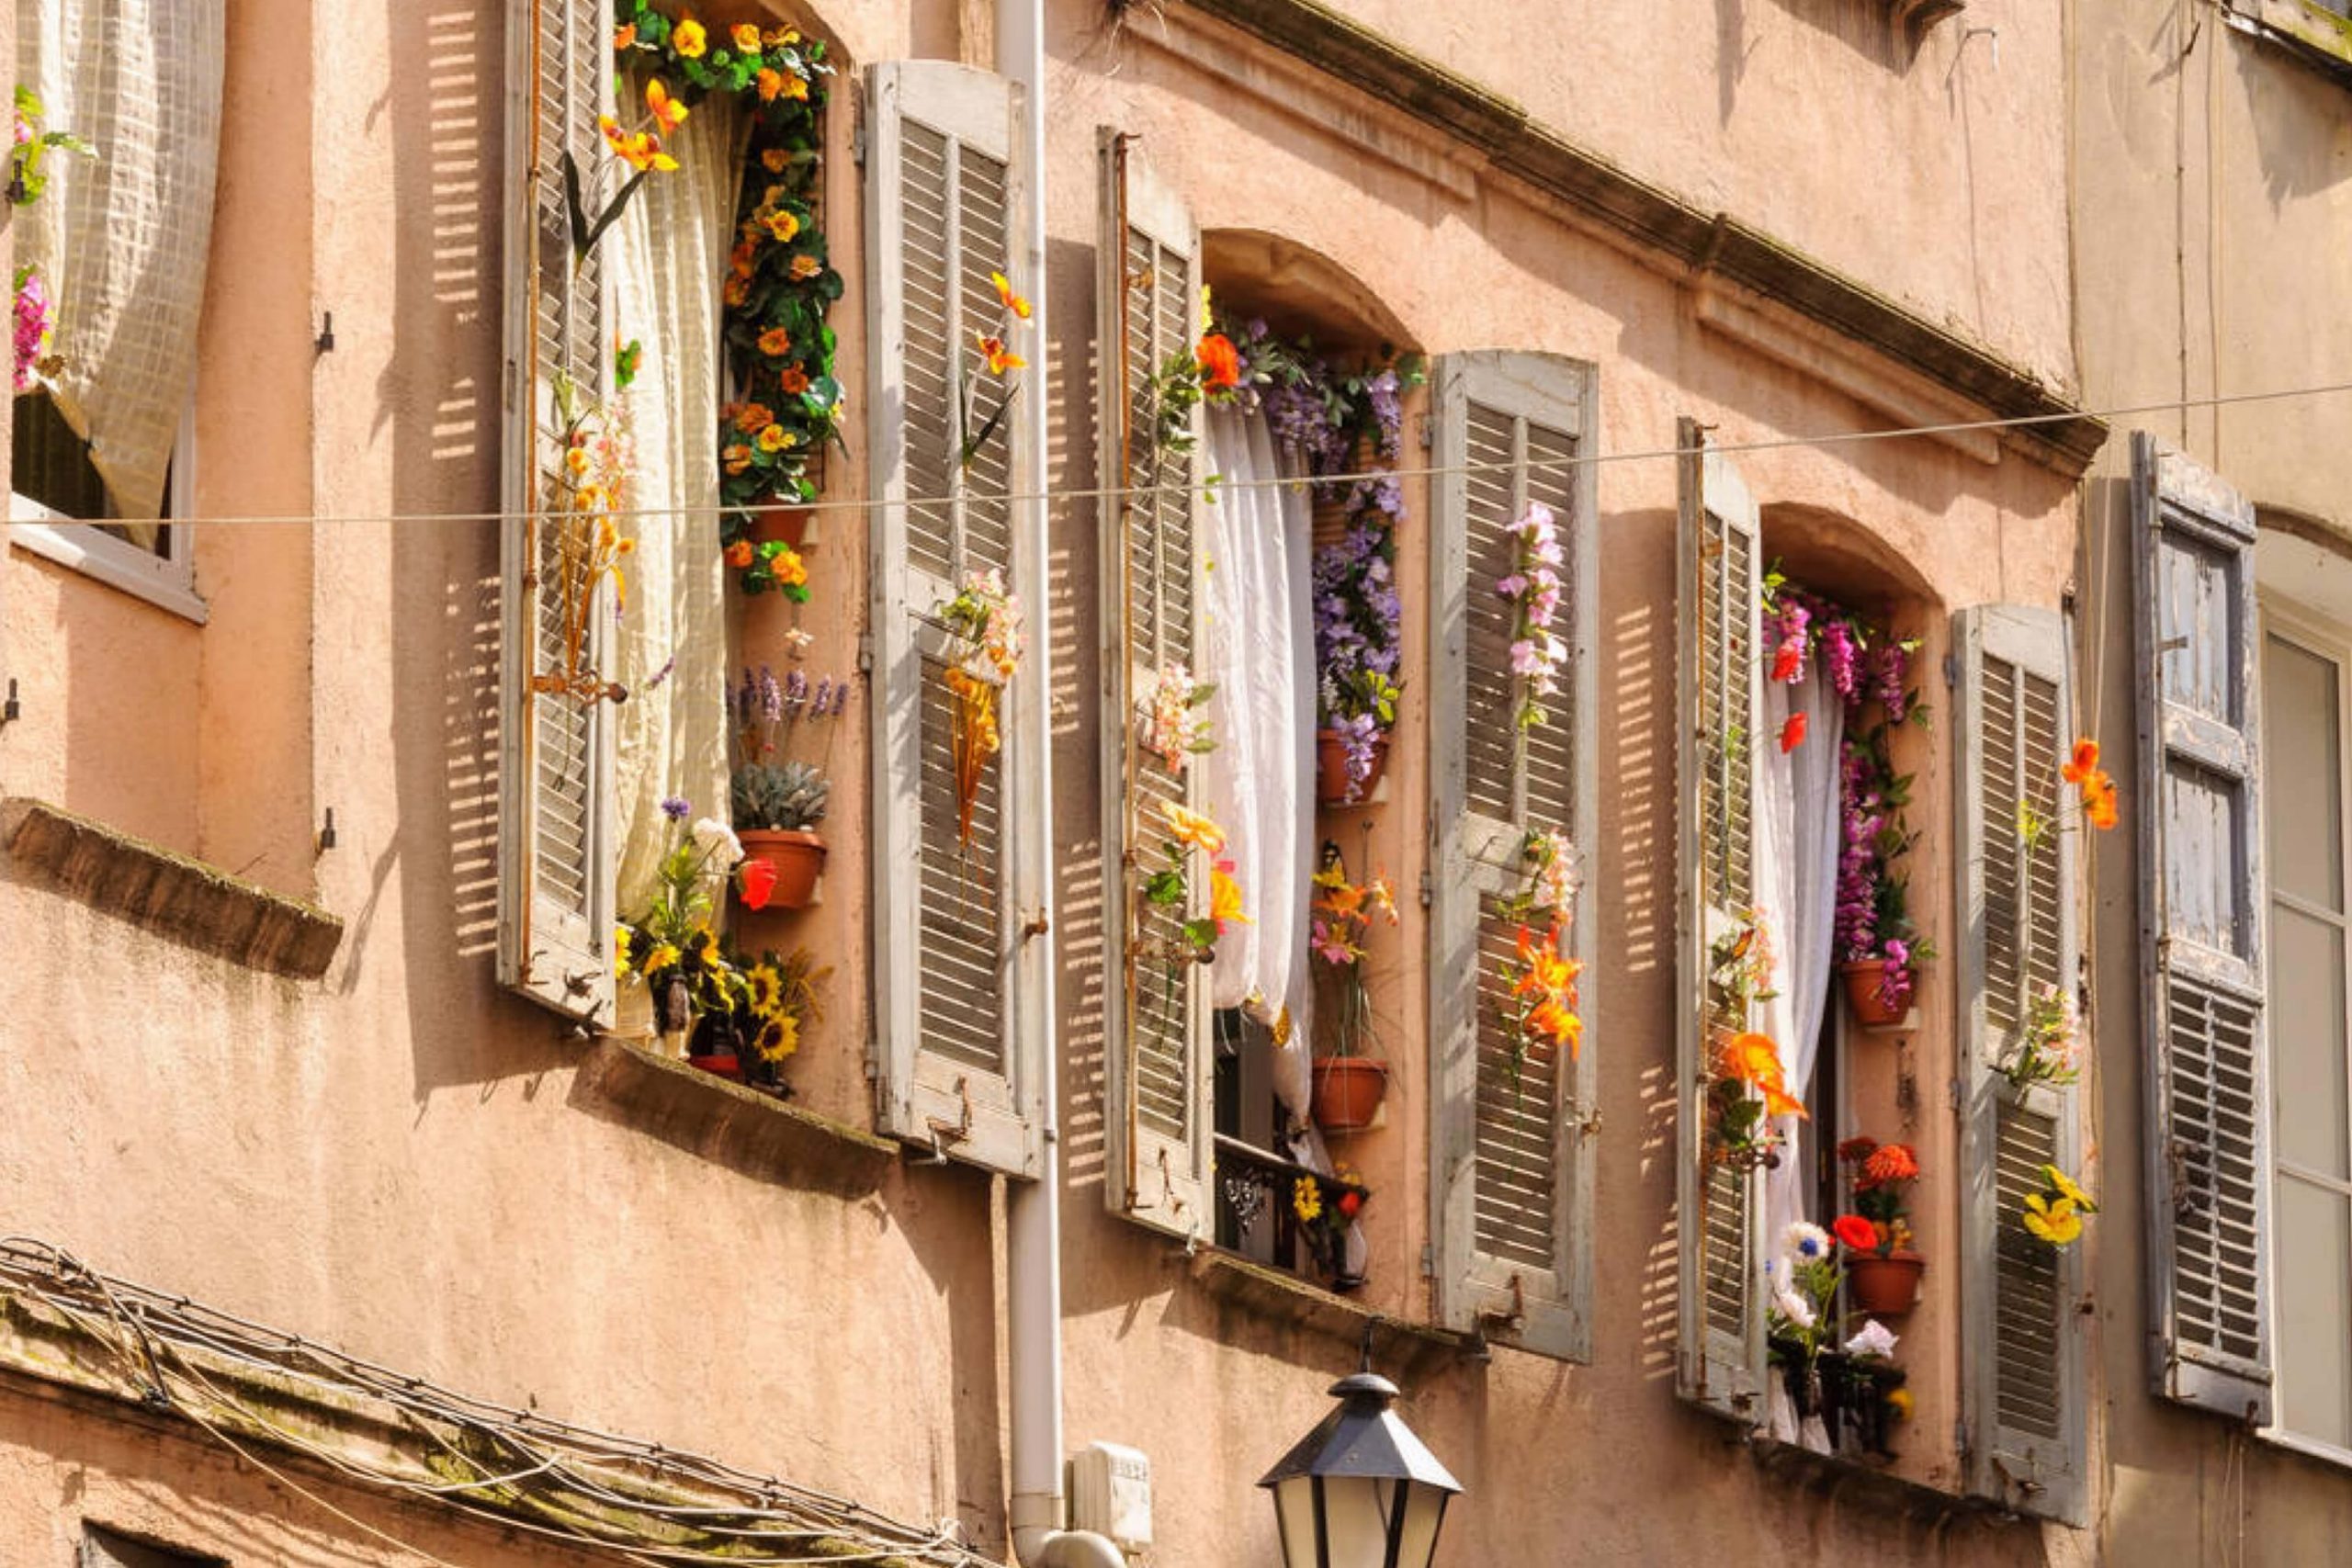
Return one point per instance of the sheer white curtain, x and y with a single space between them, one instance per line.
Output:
1796 861
121 240
670 257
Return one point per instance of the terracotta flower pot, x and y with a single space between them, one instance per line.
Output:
1347 1091
1331 769
798 856
1862 978
1883 1287
791 526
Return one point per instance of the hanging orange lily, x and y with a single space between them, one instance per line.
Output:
2098 790
1754 1060
668 112
1005 294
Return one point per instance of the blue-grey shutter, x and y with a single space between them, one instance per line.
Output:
1719 608
2201 902
1512 1150
1156 1014
2022 1324
556 857
958 955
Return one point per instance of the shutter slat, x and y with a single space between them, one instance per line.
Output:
1511 1194
2202 892
1158 1022
2023 1333
1721 1358
556 860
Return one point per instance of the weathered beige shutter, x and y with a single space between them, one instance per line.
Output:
1719 609
1156 1012
2020 1298
2201 900
955 971
556 793
1511 1161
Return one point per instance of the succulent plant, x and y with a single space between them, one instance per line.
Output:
780 796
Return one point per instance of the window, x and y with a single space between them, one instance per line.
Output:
103 1548
55 488
1753 842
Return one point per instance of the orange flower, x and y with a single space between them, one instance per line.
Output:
736 292
738 554
1220 363
776 342
771 83
794 380
2099 804
624 36
1755 1061
737 458
1889 1162
805 267
688 38
1224 897
1192 828
783 38
1000 358
1558 1024
782 225
775 438
789 568
2084 764
667 112
1012 301
774 159
640 152
753 418
747 38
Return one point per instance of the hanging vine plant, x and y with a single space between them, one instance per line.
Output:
780 286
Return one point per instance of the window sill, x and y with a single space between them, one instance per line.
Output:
717 1119
162 583
1397 1345
2310 1447
194 904
2319 38
1867 1482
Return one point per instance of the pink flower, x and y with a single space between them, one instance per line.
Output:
1525 659
1511 587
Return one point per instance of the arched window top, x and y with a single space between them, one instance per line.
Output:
1839 558
1253 272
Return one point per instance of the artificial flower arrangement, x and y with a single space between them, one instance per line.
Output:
1883 1275
33 316
1349 1083
2055 1214
1325 1207
585 494
1169 724
1533 589
29 149
781 286
1359 645
777 801
993 358
2047 1045
984 620
1542 1013
1857 1389
752 1038
1168 885
670 947
1747 1088
2081 769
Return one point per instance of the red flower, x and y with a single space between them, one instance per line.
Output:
1785 663
1890 1162
1220 363
758 879
1792 733
1349 1203
1857 1233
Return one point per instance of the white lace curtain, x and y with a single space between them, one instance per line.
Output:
668 259
121 240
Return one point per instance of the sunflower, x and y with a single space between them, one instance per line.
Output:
767 988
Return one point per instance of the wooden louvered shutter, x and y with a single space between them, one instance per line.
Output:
1511 1166
1157 1014
556 851
2022 1327
1719 609
958 989
2202 898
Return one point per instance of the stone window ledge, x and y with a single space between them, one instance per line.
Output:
1399 1347
723 1121
198 905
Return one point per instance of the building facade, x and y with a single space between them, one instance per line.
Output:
346 1044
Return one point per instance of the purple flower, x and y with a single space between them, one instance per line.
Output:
823 698
796 692
677 808
772 695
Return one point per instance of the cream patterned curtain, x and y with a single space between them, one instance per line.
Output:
670 258
122 239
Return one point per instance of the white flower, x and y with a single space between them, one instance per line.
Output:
1874 1339
1808 1241
1794 1306
720 848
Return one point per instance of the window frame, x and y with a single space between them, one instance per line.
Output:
2320 636
168 580
2322 39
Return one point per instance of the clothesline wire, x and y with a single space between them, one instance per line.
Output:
1098 493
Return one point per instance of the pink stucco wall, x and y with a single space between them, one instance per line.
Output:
401 1160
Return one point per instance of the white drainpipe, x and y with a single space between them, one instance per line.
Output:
1033 1239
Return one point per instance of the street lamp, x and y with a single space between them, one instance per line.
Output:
1360 1491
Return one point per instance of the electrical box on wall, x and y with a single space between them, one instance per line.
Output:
1110 1493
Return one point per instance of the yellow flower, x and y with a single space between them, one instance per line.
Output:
1900 1401
775 438
2055 1223
789 568
783 38
688 38
1224 897
782 225
747 38
1192 828
1306 1199
1000 358
1012 301
767 988
796 87
663 956
620 951
667 112
2064 1185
